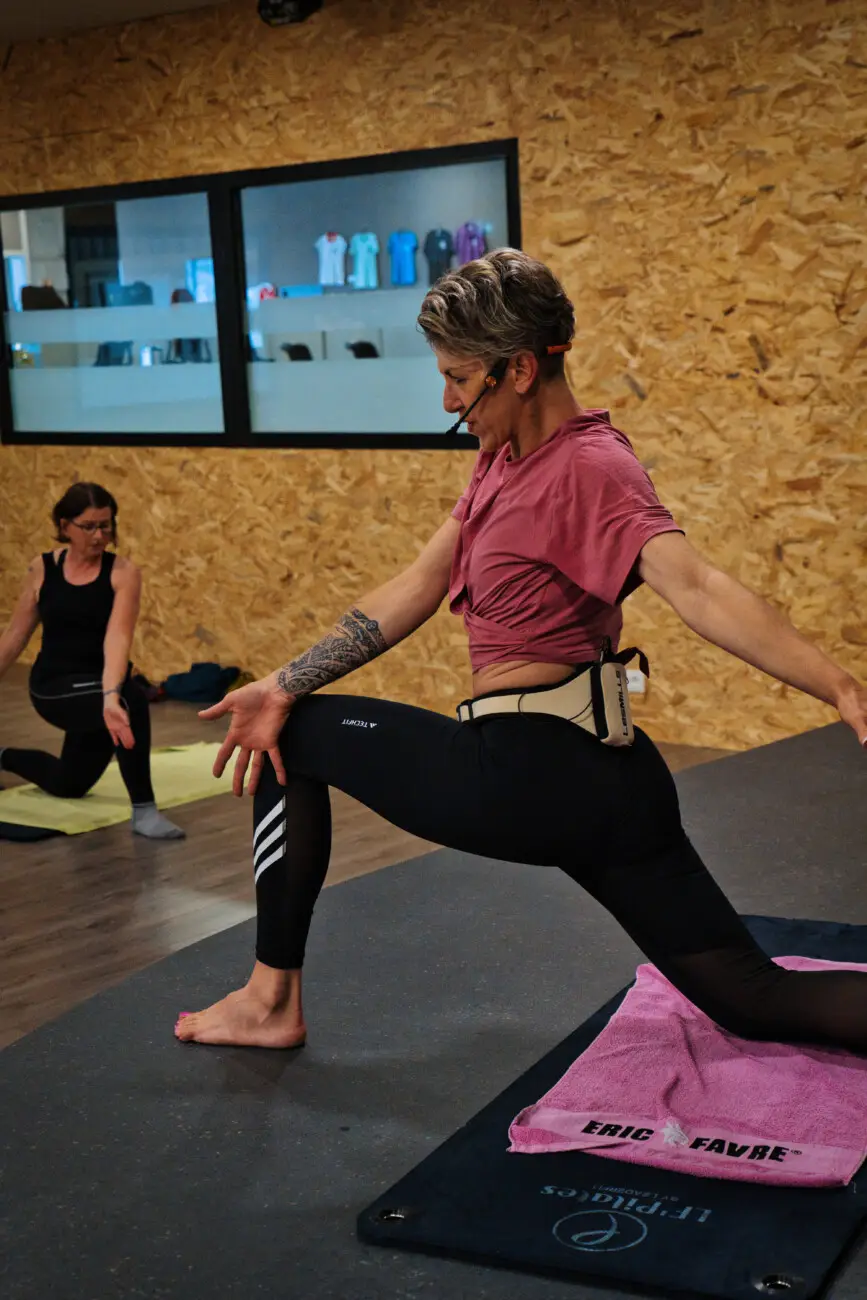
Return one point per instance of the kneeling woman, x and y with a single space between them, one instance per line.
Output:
558 525
87 600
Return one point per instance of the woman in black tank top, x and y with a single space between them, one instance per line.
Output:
86 599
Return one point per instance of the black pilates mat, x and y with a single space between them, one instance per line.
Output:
570 1213
132 1166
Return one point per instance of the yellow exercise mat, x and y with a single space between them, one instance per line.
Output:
180 774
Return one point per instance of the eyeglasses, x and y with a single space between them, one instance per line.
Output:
106 526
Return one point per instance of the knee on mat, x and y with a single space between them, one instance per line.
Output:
72 787
756 1021
745 1017
743 1025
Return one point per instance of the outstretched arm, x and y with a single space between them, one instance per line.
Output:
721 610
384 617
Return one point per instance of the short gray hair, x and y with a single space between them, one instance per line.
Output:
503 303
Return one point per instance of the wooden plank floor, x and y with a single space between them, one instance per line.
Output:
79 913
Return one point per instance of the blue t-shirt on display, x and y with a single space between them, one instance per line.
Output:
402 247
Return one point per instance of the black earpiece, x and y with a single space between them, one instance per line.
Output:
497 373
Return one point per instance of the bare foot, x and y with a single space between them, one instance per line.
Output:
244 1019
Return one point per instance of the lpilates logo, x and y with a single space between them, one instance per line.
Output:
616 1218
598 1231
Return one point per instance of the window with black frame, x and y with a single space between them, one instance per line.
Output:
336 270
258 308
110 323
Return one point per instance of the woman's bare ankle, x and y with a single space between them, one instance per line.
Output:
279 990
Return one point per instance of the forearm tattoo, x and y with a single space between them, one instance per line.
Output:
356 641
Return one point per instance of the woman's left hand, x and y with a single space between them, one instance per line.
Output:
852 707
116 719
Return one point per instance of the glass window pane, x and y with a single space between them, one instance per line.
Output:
336 273
112 322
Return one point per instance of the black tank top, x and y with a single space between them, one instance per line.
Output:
74 620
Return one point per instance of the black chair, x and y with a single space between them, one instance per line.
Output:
114 354
297 351
183 350
137 294
362 350
40 297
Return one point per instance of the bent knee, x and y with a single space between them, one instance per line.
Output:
765 1017
756 1017
70 788
745 1024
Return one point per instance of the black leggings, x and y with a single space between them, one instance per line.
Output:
74 705
536 790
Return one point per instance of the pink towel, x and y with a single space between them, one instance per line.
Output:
663 1085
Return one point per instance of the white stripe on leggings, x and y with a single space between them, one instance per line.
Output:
268 841
273 858
267 820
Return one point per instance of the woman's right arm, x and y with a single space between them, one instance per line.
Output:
383 618
24 620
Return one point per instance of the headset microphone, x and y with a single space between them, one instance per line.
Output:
492 378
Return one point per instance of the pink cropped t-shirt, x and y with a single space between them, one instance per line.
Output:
549 543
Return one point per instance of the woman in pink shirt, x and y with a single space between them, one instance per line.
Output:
558 524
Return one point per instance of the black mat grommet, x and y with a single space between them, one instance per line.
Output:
397 1214
780 1284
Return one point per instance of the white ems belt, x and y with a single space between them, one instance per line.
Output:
595 697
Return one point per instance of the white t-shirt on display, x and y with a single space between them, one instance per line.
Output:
332 258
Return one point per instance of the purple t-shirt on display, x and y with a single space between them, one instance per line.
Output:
470 242
549 544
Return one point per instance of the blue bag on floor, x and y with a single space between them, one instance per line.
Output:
203 684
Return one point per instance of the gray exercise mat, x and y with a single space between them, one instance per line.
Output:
133 1165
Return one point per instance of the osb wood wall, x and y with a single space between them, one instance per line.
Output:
695 172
